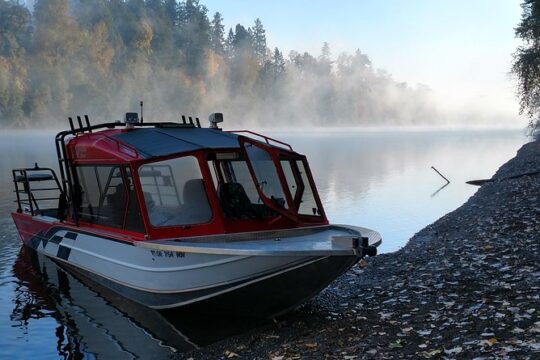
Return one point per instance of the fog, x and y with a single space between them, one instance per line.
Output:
62 58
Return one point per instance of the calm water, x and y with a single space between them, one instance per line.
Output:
380 180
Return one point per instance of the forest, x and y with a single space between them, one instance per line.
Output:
100 57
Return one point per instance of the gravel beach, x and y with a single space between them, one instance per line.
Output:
467 286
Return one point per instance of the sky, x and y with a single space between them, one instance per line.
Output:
461 49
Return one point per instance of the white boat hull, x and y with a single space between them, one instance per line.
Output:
172 273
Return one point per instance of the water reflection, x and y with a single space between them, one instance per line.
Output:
88 322
91 320
439 189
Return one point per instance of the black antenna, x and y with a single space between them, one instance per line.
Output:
184 119
79 120
142 119
87 120
198 122
71 123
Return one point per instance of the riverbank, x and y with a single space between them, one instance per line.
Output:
466 286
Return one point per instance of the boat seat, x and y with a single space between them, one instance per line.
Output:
116 204
196 203
235 202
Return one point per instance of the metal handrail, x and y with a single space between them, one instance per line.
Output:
31 200
267 139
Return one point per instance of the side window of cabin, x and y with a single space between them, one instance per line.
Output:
308 204
107 197
174 192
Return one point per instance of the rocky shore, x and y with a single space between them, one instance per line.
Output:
467 286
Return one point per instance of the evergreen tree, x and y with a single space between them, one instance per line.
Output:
217 32
526 64
259 41
325 61
242 41
171 12
279 63
194 35
229 44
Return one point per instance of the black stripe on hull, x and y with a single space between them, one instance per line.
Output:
265 296
70 234
279 294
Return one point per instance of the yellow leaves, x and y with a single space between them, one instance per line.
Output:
4 63
433 352
144 36
437 352
101 51
214 63
363 263
488 248
230 354
492 341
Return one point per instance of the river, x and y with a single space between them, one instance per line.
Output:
376 179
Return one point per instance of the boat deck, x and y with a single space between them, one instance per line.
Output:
316 241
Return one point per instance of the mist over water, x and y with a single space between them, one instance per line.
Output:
377 179
383 179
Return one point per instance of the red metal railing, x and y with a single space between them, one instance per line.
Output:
266 138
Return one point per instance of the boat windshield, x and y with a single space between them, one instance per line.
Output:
237 192
266 174
296 174
243 196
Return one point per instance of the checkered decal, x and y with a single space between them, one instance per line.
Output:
63 251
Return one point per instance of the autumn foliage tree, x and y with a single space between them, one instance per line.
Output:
100 57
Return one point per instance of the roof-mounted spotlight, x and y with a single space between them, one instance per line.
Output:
132 118
215 118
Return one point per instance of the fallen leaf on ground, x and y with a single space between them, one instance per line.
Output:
362 263
229 354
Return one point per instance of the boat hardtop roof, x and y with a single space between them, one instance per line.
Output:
157 142
146 141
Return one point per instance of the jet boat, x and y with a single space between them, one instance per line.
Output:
171 214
